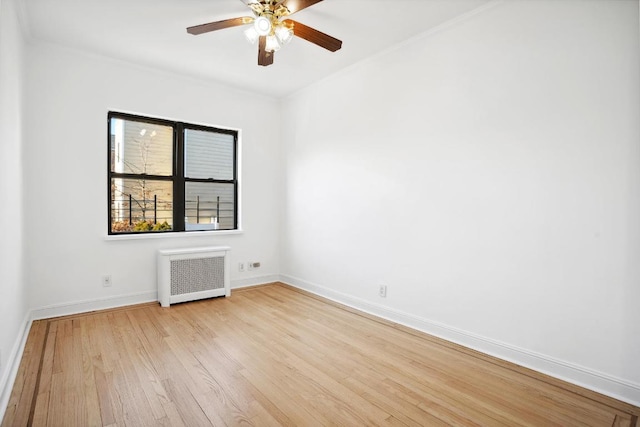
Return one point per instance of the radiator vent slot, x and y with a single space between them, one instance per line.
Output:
190 274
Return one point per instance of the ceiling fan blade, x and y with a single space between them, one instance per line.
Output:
297 5
313 35
219 25
264 58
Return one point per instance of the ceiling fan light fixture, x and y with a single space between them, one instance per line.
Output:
270 27
251 34
262 25
272 45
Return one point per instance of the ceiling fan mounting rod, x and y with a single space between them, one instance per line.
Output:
272 9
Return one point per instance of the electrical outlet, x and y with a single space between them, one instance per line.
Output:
254 265
106 280
241 267
382 291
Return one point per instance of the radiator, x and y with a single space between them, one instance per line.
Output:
191 274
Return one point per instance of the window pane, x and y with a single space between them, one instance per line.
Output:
141 205
141 148
207 204
208 155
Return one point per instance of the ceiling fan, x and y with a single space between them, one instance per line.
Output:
271 28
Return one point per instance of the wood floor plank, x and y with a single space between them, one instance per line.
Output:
21 400
274 355
128 392
41 409
105 405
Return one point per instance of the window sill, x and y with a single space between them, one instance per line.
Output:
145 236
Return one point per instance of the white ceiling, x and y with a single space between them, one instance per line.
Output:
153 33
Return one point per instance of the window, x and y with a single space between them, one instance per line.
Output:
167 176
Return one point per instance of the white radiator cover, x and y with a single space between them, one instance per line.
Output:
193 273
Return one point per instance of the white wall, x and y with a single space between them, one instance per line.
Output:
68 96
489 174
13 303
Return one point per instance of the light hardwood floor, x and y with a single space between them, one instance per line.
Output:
273 355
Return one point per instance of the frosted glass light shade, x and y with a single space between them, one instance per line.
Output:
284 34
273 45
251 34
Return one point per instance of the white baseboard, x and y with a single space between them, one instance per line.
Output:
85 306
254 281
609 385
78 307
13 364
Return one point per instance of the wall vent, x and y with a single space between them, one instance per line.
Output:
191 274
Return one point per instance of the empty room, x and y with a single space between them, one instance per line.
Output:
320 212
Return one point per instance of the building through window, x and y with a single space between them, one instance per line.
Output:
167 176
